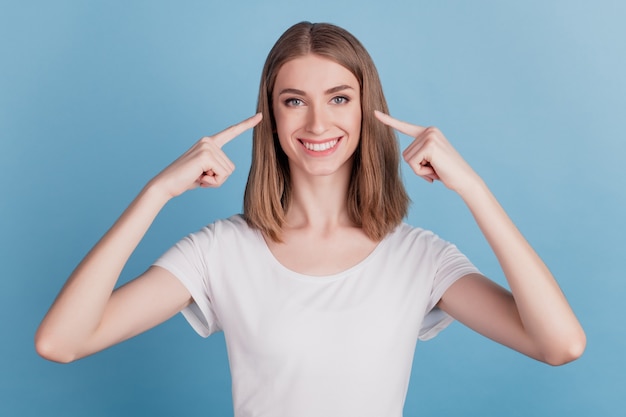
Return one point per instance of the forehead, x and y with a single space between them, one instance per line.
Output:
313 72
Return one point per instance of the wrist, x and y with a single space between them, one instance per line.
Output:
473 186
155 193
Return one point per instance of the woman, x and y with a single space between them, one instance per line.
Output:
320 289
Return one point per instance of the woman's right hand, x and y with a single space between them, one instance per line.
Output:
88 315
204 164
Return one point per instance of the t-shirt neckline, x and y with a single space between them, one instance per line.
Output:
320 278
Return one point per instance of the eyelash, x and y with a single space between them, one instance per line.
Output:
335 100
343 99
291 102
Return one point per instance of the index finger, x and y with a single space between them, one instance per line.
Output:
404 127
233 131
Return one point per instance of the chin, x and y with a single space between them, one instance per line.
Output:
325 170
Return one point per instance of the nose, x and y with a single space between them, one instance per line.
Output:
317 120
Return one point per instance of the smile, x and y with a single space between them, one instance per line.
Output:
320 146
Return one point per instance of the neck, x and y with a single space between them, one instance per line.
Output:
319 202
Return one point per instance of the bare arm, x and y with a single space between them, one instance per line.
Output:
534 318
88 315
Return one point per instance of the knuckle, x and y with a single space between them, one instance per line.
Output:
432 135
207 147
432 131
204 152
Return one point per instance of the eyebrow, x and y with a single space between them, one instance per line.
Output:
332 90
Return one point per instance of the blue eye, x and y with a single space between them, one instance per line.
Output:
340 100
293 102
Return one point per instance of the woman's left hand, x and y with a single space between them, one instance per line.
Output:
431 156
535 318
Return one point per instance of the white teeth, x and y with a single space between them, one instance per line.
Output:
319 147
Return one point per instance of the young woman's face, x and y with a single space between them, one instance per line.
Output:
317 107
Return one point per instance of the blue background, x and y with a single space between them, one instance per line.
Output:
96 98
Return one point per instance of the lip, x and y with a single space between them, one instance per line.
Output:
320 147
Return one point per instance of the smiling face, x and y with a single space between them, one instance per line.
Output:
317 108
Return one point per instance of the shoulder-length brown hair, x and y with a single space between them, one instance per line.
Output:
377 200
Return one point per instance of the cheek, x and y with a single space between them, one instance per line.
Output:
283 121
282 125
356 118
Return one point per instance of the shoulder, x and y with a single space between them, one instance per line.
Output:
232 224
234 227
230 235
406 234
223 231
410 239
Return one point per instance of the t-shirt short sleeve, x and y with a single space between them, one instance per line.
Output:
451 265
187 261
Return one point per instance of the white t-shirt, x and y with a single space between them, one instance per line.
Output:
300 346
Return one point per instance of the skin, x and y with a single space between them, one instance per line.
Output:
108 317
315 101
534 318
